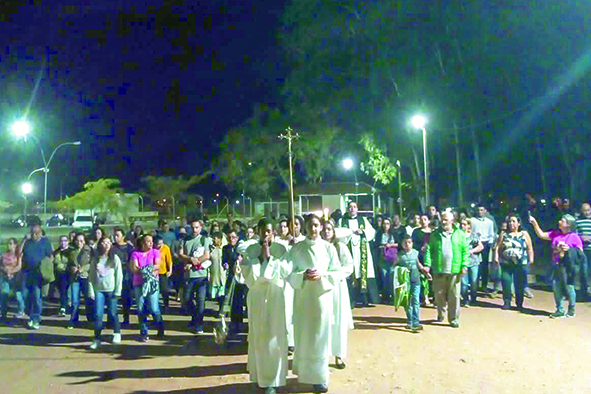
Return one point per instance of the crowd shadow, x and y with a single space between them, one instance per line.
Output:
178 345
292 386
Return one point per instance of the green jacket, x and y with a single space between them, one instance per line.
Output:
460 251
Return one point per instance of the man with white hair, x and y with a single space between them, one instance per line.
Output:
446 257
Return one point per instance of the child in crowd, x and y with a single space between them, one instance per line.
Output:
218 273
409 258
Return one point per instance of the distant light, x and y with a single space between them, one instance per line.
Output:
237 201
473 205
214 201
27 188
217 194
418 121
250 163
398 163
164 199
543 201
348 164
77 143
21 128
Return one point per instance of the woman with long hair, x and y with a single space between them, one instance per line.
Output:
513 251
343 317
10 279
145 264
105 285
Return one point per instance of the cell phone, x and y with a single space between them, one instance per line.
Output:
528 215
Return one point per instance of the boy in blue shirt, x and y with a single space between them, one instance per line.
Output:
409 258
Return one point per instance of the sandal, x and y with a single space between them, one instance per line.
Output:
339 363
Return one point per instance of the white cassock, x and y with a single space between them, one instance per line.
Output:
313 308
267 332
355 240
343 318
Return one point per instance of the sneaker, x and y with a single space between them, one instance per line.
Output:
95 344
20 315
408 327
30 324
528 294
455 324
570 313
418 327
160 335
116 338
557 315
144 338
440 318
33 325
506 307
62 312
71 325
320 388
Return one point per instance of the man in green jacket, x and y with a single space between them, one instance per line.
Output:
447 257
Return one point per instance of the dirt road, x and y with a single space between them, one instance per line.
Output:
493 351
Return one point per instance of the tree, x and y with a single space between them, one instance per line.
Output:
161 187
103 195
378 164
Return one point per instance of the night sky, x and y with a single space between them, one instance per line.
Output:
152 89
149 90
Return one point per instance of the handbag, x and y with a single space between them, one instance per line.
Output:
391 254
46 269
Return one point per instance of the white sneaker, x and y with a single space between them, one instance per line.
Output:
95 344
116 338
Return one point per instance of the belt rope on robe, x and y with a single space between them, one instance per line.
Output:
363 263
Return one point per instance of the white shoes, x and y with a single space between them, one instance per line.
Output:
116 338
95 344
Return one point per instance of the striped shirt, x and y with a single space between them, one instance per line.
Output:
584 228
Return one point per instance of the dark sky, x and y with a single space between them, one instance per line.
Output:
149 89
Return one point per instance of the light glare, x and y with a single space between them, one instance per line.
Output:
348 164
21 128
419 121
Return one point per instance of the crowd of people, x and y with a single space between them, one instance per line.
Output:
298 281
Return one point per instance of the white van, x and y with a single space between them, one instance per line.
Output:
83 219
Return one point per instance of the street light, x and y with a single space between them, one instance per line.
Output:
348 164
419 122
399 187
22 129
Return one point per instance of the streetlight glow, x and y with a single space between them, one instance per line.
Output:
348 164
27 188
418 121
21 128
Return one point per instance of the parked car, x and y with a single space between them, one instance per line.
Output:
83 222
31 220
57 220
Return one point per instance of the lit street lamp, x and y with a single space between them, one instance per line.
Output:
419 122
399 187
22 129
348 164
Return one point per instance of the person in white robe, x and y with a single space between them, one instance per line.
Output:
362 286
343 318
264 274
316 271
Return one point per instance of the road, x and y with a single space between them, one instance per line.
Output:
493 351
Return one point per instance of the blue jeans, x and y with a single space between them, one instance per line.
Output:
414 304
32 283
514 275
127 295
108 299
199 286
470 280
562 289
151 303
386 277
15 283
80 285
62 282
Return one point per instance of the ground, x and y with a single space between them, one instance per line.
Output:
493 351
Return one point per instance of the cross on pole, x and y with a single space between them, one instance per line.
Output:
290 136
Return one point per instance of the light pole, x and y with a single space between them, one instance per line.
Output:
419 122
399 188
26 189
22 129
348 164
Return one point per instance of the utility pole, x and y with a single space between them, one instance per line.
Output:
289 136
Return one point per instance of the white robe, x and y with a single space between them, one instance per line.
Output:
343 317
267 332
313 308
370 234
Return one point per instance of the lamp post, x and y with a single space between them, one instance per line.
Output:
348 164
22 129
26 189
419 122
399 188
